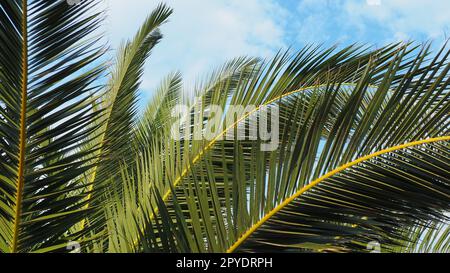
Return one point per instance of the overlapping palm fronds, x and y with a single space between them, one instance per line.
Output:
363 154
432 237
119 102
360 157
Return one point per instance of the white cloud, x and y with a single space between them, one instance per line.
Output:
324 21
201 34
403 17
373 21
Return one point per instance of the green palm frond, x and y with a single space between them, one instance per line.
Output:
49 63
358 155
149 132
120 102
431 237
159 111
371 199
230 186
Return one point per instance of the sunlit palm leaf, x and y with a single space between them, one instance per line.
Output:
232 185
159 111
120 103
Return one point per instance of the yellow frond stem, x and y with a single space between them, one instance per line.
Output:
199 156
22 132
324 177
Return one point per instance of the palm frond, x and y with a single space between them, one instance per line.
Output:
226 78
229 186
158 112
49 63
120 102
371 199
359 148
431 237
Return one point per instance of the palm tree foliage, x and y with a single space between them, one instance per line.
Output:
49 65
362 150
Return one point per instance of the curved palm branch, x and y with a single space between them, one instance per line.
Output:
259 87
323 127
362 146
119 103
367 200
159 111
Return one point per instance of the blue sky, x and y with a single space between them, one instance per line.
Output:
203 34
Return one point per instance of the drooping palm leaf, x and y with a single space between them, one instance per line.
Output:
362 153
150 142
372 199
120 102
232 185
159 111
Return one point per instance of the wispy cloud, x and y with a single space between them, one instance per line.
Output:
202 34
404 18
371 21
